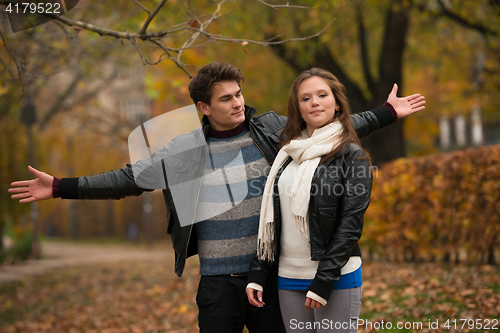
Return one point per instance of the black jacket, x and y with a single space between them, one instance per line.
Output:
264 129
340 194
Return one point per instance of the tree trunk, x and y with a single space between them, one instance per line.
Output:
1 235
491 253
386 144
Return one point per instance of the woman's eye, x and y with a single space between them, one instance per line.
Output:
305 99
322 95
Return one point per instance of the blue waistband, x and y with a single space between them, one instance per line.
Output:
347 281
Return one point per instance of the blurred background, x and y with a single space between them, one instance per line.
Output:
70 94
69 98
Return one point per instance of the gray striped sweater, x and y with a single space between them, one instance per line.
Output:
232 187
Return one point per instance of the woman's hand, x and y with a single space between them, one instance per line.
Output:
255 297
312 304
33 190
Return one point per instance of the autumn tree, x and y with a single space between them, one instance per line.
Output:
61 66
367 49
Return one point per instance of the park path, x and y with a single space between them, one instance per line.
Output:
59 254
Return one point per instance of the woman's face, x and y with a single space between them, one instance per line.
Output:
316 103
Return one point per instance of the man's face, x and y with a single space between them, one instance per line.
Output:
227 106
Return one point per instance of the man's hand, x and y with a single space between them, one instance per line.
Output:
312 304
255 297
33 190
405 106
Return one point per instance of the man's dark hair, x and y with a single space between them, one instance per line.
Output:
200 87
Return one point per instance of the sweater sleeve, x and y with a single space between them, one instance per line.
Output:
55 188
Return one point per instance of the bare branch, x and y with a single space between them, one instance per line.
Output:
57 105
263 43
215 15
15 61
139 50
176 61
189 31
151 17
99 30
60 105
63 28
140 5
277 7
8 69
466 23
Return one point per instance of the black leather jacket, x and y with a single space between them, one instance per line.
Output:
340 194
264 129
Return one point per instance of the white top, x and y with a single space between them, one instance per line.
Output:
295 253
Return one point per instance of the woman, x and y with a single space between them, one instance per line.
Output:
312 211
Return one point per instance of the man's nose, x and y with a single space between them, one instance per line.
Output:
236 102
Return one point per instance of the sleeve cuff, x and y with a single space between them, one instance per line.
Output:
68 188
255 286
393 112
258 277
321 288
55 188
316 297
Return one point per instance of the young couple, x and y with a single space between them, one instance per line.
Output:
308 217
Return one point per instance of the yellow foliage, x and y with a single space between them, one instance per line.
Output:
436 205
182 309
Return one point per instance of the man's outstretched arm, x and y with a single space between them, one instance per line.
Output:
115 184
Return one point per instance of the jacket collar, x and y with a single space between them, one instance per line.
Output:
249 113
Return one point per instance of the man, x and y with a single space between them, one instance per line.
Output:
226 242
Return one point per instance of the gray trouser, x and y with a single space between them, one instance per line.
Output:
340 314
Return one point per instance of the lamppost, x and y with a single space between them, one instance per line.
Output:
28 117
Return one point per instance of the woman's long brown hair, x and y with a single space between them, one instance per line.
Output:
296 124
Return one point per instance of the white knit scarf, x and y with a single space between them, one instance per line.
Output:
306 151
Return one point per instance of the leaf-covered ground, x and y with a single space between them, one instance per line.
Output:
148 297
